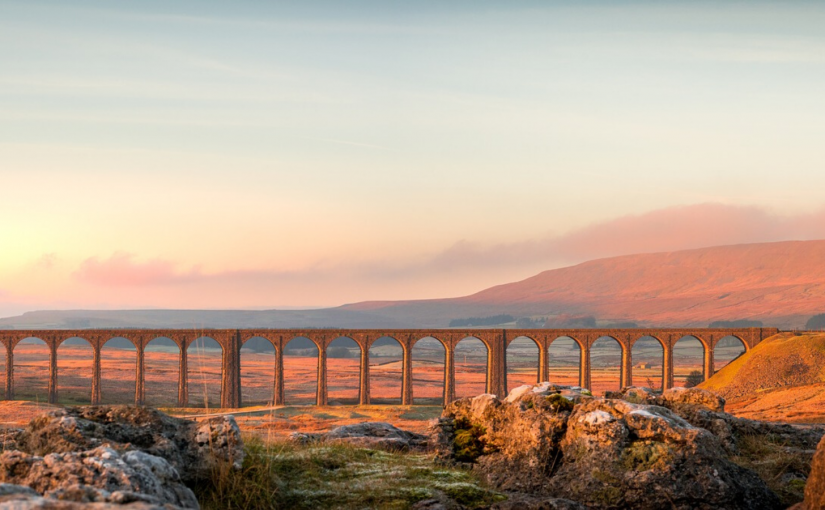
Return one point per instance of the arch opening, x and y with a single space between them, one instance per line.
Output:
688 362
161 361
605 365
75 364
257 372
470 367
386 370
564 361
31 370
727 349
204 363
428 359
300 371
118 363
343 371
648 363
522 362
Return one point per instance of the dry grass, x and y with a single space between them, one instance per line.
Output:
784 469
279 475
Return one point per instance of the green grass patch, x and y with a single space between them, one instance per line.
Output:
281 475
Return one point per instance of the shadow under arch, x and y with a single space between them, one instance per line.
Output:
75 364
386 368
343 371
648 355
31 370
257 371
205 364
428 361
522 362
118 365
726 350
471 361
688 361
605 365
162 372
564 356
300 371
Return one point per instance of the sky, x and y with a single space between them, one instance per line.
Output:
304 154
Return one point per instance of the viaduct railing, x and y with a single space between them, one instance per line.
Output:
496 341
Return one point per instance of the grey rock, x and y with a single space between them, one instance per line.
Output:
640 451
193 448
377 435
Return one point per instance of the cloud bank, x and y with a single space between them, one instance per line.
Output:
463 268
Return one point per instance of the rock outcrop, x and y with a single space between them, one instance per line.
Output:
636 449
815 487
368 435
104 456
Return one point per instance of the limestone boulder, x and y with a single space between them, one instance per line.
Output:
675 398
99 475
376 435
815 485
192 448
558 442
516 445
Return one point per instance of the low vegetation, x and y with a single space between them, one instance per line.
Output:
282 474
784 469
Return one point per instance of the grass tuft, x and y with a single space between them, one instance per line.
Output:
783 469
282 474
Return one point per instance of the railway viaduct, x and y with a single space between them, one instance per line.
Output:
496 341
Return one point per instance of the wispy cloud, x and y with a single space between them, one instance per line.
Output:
460 267
122 270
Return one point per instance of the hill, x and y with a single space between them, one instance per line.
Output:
781 379
780 284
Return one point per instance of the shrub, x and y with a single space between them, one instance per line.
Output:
694 379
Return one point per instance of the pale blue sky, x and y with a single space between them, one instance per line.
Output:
341 134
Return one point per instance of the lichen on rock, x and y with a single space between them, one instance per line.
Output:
634 450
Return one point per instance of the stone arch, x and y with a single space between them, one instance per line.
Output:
688 356
386 355
75 365
162 371
429 355
564 356
118 360
301 355
605 364
471 366
648 355
204 360
727 349
257 358
523 358
343 371
30 369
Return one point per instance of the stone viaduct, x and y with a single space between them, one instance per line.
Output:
496 341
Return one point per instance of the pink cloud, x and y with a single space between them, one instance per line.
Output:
121 270
460 269
670 229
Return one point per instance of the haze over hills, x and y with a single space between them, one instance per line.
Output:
781 284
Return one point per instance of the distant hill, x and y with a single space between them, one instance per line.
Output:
78 319
781 379
779 284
